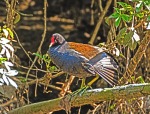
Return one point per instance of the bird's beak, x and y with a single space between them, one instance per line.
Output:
51 44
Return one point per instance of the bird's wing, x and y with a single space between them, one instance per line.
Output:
85 50
97 61
105 66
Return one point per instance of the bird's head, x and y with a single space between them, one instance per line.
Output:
56 39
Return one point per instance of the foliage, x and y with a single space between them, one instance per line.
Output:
6 53
125 14
46 59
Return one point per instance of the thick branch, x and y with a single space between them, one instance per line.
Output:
100 22
89 97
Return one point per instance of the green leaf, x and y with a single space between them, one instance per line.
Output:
117 21
2 60
53 68
147 4
132 44
22 79
117 10
128 38
125 17
140 79
123 4
101 44
46 58
38 55
107 20
120 40
10 33
123 31
121 55
139 6
114 15
23 14
121 35
111 107
17 18
132 77
148 18
140 15
130 80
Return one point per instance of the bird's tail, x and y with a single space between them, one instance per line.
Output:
105 66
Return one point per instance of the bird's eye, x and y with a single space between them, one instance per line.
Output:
56 39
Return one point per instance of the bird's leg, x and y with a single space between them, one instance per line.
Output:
83 82
82 85
85 87
94 80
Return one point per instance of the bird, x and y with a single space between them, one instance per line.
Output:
83 60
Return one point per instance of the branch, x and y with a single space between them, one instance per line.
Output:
100 22
43 37
137 57
10 13
89 97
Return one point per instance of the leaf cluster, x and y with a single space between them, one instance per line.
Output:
128 15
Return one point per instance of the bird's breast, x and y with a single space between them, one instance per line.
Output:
69 62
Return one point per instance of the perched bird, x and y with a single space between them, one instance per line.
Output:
82 60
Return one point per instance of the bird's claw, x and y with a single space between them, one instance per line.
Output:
80 91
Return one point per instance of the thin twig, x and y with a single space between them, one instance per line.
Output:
22 46
14 100
36 69
43 37
41 81
43 78
100 5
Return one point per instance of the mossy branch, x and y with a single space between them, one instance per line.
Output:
89 97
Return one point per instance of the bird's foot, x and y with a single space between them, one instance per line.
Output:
80 91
